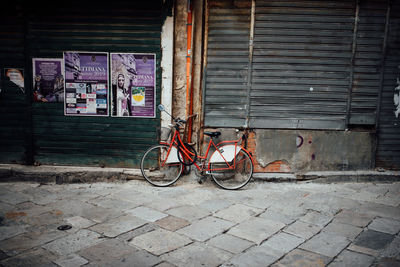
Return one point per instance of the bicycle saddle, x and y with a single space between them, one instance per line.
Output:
213 134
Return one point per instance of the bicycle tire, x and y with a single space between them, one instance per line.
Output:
154 171
236 178
186 161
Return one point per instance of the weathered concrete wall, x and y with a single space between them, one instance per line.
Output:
180 46
315 150
306 150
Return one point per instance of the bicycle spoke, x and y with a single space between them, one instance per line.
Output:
156 169
236 177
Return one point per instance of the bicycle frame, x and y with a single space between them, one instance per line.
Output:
177 141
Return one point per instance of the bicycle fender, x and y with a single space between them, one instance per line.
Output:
173 156
228 153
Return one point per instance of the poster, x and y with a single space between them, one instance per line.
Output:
48 79
16 76
133 77
86 83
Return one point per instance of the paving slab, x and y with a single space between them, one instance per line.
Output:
293 211
283 242
277 216
364 250
316 218
146 214
301 258
106 250
71 260
164 204
160 241
373 240
238 213
206 228
112 203
78 222
353 218
256 229
327 244
37 257
189 213
380 210
52 219
30 239
197 254
140 258
256 257
172 223
214 205
117 226
29 209
165 264
136 198
353 259
392 250
302 229
341 229
7 232
14 198
17 244
386 262
230 243
128 236
385 225
73 243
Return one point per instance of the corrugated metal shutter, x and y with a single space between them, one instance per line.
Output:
302 55
13 103
227 63
118 26
367 62
388 152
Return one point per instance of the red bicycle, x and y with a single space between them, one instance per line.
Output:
230 165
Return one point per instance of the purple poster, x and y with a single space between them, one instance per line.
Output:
86 83
133 85
48 79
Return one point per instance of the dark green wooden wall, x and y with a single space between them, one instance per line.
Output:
14 117
117 26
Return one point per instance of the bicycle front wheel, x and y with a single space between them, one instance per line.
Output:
156 169
235 178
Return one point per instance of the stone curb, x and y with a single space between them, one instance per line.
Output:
74 174
65 174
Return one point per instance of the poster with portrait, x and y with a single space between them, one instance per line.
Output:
86 83
48 79
133 82
16 76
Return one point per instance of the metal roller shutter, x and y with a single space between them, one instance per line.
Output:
302 55
367 62
388 152
227 63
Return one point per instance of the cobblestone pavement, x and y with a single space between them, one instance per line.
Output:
135 224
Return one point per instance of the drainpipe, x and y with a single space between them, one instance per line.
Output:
189 89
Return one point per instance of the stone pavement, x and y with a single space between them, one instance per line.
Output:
132 223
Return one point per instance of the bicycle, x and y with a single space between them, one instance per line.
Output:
230 165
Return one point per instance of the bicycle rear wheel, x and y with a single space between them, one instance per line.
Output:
232 179
156 169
